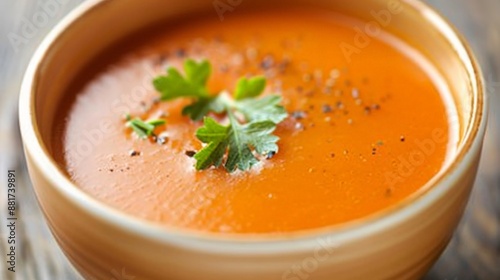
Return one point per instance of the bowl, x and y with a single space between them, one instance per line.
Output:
401 242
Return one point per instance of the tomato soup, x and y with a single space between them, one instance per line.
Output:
368 126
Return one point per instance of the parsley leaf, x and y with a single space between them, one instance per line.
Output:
197 73
193 85
248 88
217 137
238 139
174 85
143 129
266 108
256 135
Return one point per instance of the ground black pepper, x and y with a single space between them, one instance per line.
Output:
134 153
270 155
326 108
267 62
180 53
190 153
298 115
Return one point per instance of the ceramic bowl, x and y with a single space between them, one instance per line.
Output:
102 243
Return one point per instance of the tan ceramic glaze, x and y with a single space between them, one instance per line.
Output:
399 243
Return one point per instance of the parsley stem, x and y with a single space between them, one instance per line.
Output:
144 129
228 102
143 125
156 122
233 120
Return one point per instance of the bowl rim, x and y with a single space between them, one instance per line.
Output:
248 243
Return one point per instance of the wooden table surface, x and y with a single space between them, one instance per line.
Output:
474 252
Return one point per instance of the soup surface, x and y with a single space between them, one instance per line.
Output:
366 129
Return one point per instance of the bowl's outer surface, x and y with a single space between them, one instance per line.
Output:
401 245
400 251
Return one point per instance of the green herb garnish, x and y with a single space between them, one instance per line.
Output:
252 120
238 139
143 129
193 85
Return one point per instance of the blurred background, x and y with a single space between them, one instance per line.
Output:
474 252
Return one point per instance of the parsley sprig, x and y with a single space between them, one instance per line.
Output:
143 129
252 120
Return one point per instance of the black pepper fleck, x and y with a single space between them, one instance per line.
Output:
283 65
340 105
162 58
270 155
180 52
326 108
190 153
367 110
267 62
389 192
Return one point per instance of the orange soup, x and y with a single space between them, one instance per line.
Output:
368 124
